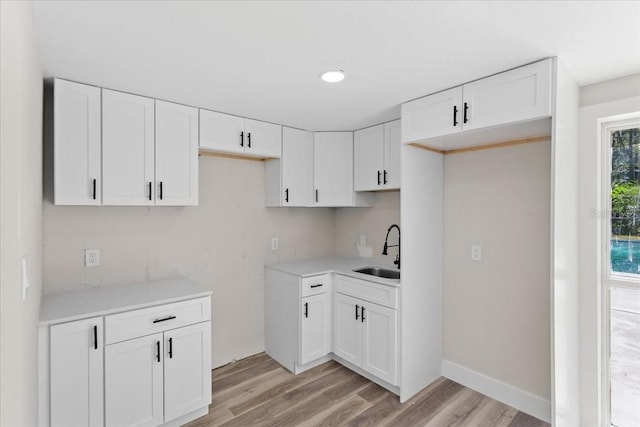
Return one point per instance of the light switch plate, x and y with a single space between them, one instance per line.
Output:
274 244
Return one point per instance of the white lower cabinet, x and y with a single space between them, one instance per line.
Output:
134 382
76 380
148 366
310 319
297 319
365 334
157 378
315 329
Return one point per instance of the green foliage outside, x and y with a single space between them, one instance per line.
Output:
625 182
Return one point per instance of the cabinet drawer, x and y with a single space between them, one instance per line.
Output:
368 291
137 323
315 285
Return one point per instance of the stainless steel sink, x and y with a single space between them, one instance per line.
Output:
379 272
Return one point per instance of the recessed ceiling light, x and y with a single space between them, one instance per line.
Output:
332 76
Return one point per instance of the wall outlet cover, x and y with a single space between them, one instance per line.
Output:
91 257
274 244
476 253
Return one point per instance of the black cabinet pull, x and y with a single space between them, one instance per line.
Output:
249 139
150 184
455 115
164 319
357 308
362 314
379 176
241 139
316 195
306 309
95 337
384 180
94 188
158 351
160 190
286 195
466 108
317 285
170 348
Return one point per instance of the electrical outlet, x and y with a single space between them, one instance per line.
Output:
274 244
476 253
91 257
363 241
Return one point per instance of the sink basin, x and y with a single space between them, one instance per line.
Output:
379 272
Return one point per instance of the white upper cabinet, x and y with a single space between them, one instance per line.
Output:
431 116
225 133
520 94
368 152
333 168
127 149
392 131
377 157
262 139
176 154
289 179
77 162
517 95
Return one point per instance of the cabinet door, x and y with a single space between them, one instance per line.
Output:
347 332
368 154
297 167
431 116
379 355
76 362
512 96
127 149
333 168
262 139
315 327
76 116
221 132
176 155
391 175
187 370
133 382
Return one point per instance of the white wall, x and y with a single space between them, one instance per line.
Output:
222 244
20 213
373 223
600 100
496 311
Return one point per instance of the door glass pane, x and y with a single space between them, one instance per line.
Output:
625 201
624 362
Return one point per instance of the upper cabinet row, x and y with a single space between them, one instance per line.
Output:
316 169
517 95
113 148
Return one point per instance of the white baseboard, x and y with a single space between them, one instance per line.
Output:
505 393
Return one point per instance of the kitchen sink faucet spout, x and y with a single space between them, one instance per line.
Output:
387 246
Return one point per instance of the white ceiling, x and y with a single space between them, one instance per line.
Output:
262 59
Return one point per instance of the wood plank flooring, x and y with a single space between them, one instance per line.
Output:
257 391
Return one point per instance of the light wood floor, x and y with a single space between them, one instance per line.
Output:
257 391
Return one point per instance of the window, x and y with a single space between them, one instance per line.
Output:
621 237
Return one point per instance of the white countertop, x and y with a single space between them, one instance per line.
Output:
344 266
68 306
